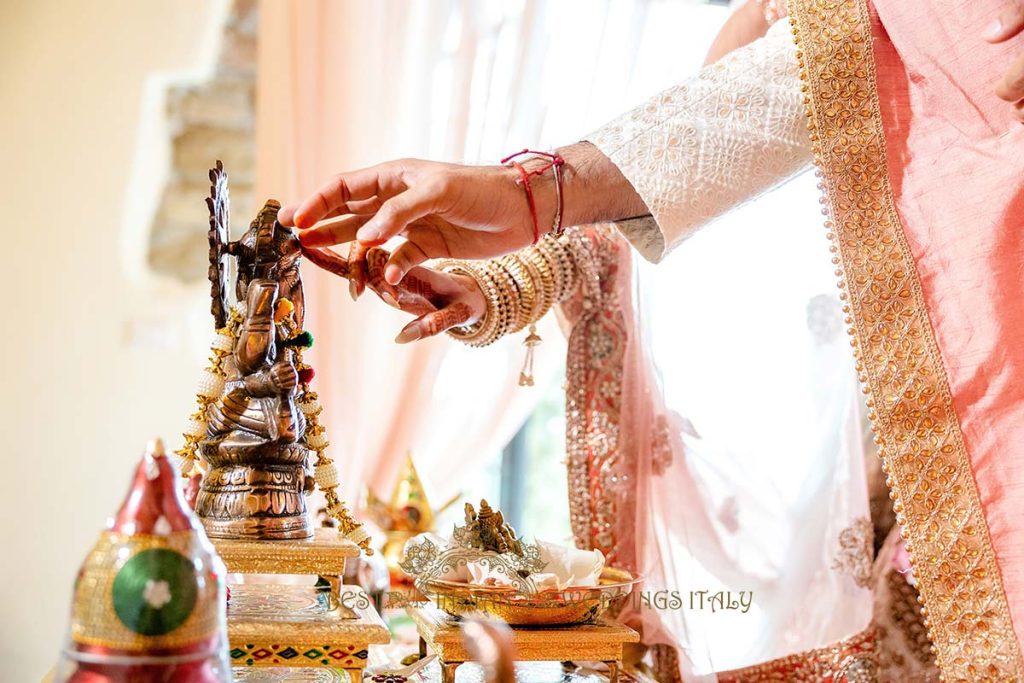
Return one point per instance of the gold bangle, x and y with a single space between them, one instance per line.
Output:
519 288
508 297
572 269
545 268
561 266
542 294
527 292
480 333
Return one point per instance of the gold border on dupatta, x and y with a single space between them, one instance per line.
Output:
910 405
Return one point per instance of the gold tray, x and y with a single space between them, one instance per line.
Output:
576 605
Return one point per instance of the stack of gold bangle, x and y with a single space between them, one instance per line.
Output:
520 288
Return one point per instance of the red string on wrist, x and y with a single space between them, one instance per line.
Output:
556 162
524 176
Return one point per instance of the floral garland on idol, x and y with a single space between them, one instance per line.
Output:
211 386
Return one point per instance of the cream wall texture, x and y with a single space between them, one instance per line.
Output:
98 356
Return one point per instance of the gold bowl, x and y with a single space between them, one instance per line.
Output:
576 605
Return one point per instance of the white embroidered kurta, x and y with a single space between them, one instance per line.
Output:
701 148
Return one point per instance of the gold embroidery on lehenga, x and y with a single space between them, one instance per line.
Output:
898 361
905 615
600 476
856 552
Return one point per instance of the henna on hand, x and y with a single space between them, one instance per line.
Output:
399 296
376 259
457 314
438 311
358 272
327 260
417 286
431 324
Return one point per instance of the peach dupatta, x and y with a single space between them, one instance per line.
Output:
922 169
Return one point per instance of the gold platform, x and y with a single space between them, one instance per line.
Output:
529 672
298 626
322 555
327 627
598 642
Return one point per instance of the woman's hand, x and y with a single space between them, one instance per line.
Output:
1009 24
440 301
443 210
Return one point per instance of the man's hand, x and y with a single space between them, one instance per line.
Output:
443 210
451 210
1009 24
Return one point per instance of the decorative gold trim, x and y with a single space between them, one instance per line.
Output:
600 641
288 626
95 621
324 553
852 660
898 360
600 472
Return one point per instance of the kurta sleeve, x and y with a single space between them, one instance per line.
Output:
703 147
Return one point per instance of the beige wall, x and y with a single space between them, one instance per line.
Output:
97 356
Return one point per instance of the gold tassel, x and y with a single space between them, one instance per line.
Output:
531 342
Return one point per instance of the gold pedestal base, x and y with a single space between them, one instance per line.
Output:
300 626
294 675
598 642
324 554
328 627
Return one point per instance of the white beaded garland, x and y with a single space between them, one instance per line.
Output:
317 442
195 427
357 535
326 475
210 385
310 407
222 341
184 466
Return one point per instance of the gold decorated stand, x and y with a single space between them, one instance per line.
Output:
601 641
326 626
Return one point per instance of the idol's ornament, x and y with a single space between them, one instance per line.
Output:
256 435
407 514
149 600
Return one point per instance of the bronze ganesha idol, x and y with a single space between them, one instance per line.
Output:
254 446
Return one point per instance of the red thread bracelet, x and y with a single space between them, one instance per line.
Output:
556 162
525 178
